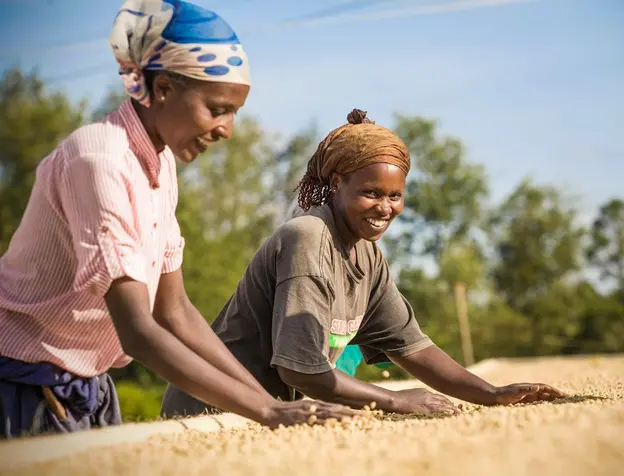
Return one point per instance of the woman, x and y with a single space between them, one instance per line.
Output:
320 283
92 276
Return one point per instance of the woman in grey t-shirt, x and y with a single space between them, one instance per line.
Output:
320 283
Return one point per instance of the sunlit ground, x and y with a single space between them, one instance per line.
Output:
579 435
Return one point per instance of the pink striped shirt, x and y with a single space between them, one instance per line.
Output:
102 207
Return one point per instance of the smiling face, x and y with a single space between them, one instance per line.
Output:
192 114
369 199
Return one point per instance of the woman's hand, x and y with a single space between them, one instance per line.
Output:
526 393
305 411
420 400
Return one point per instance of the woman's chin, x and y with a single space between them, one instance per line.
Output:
185 156
373 238
370 233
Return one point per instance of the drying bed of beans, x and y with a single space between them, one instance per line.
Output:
579 435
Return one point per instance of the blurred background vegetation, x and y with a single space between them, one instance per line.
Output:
539 280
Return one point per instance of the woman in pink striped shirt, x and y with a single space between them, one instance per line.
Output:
92 276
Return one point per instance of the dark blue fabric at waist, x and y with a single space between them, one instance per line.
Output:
80 394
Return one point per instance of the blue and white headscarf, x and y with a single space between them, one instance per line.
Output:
176 36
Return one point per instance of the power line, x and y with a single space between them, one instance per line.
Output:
343 7
320 16
72 45
407 9
81 73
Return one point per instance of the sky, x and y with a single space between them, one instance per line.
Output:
533 88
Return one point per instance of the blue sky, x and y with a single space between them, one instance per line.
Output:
533 88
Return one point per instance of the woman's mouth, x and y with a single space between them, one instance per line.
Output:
202 144
377 223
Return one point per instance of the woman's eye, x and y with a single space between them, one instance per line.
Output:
370 194
396 196
217 112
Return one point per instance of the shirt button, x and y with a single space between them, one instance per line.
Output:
153 264
155 225
104 229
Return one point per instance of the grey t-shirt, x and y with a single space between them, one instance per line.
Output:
301 300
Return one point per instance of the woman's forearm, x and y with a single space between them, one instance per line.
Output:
162 352
438 370
337 387
192 329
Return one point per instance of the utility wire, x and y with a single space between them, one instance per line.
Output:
81 73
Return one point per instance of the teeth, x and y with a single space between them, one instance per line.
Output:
377 223
202 143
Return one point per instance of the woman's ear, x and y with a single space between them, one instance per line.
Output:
162 87
336 181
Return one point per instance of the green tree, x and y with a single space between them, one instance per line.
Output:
538 248
461 266
499 331
554 317
33 121
463 262
537 242
606 251
443 209
290 164
601 323
227 208
445 194
432 300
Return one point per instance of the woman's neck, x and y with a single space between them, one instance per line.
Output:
147 117
349 240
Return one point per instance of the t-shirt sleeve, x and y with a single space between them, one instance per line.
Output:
301 319
389 327
95 198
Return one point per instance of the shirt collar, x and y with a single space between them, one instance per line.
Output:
140 143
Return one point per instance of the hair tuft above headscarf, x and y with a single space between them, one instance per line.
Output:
357 116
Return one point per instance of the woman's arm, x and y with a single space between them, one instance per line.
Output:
435 368
338 387
174 311
145 340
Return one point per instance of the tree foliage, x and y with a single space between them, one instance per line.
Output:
537 243
522 261
606 251
445 194
33 121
